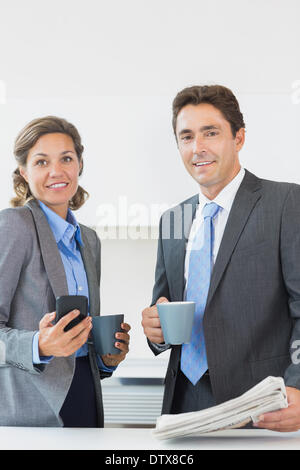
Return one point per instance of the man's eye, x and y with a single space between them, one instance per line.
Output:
186 138
211 134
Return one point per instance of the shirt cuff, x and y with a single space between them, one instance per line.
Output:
36 358
103 367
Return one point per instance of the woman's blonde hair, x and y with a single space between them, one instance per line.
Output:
26 139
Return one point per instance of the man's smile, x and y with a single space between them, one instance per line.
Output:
202 163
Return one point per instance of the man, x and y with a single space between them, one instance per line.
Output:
234 249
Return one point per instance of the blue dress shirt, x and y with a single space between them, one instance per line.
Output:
67 235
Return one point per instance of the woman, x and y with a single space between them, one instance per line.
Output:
50 377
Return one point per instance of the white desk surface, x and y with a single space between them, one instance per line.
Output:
19 438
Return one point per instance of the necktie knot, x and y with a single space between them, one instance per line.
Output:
210 210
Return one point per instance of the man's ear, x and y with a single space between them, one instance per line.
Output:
23 173
240 138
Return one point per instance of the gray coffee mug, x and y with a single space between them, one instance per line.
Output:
103 333
176 319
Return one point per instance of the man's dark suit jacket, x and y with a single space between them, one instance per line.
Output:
252 315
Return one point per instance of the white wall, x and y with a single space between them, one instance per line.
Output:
113 69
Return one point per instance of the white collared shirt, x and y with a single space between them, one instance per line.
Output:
225 200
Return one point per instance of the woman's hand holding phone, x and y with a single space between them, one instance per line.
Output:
54 341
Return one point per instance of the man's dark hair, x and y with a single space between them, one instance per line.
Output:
219 96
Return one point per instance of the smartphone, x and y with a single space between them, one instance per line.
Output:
67 303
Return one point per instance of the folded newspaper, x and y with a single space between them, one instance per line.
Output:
268 395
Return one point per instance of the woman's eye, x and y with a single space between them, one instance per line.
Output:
67 159
41 163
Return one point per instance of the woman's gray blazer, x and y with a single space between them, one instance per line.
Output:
31 277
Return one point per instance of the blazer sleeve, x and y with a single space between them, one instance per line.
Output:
290 259
16 248
161 287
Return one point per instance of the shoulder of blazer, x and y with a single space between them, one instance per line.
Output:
175 223
190 203
18 233
88 231
18 220
278 190
90 235
18 213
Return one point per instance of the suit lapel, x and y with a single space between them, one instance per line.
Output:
52 261
50 253
90 268
178 270
179 246
246 198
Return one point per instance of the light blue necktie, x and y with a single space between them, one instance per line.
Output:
193 355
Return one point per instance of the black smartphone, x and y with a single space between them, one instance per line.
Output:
67 303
